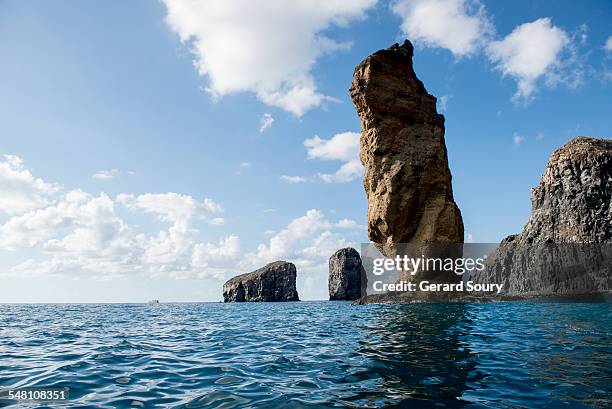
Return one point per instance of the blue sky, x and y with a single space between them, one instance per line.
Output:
138 167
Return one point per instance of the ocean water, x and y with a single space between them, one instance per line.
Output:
311 354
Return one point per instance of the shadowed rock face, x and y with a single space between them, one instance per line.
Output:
562 249
407 178
346 275
572 202
273 282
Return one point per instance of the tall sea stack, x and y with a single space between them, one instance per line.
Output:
407 178
347 277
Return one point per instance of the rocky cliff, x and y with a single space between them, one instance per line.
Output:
572 202
347 276
566 246
273 282
402 147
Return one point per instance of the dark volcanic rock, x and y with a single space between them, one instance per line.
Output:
572 201
273 282
347 276
566 246
402 147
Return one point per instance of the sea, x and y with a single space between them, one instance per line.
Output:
310 355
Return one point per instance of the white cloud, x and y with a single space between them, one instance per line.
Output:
217 221
308 241
19 190
517 139
82 234
218 258
443 103
530 51
265 122
92 228
245 165
238 44
105 174
608 44
349 224
171 207
293 179
349 171
460 26
343 147
37 226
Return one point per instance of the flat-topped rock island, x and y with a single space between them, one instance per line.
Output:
273 282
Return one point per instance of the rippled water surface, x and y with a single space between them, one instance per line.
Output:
312 354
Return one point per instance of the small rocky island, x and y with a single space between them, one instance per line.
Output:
347 277
273 283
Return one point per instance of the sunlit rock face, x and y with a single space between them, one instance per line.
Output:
402 147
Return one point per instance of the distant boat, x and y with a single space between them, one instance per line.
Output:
153 302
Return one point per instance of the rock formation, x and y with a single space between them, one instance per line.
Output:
572 202
273 282
562 249
347 276
407 178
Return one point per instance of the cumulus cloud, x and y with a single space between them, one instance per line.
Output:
608 44
530 51
105 174
265 122
293 179
348 224
171 207
19 190
533 53
460 26
85 234
342 147
238 44
80 233
308 241
74 210
216 258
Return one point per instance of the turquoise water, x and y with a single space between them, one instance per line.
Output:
312 354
